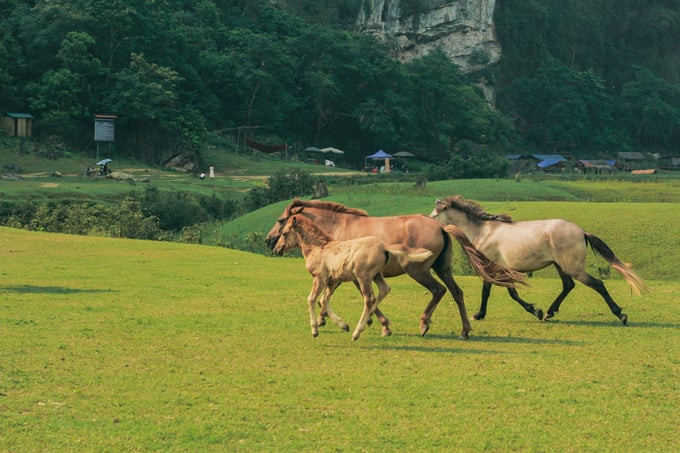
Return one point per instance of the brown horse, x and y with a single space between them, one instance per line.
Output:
532 245
416 231
333 262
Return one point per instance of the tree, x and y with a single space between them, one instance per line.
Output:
650 107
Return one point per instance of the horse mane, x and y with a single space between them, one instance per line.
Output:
309 231
323 205
474 211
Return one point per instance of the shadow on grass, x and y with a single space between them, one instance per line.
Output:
434 349
34 289
615 323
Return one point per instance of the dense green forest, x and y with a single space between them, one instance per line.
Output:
576 76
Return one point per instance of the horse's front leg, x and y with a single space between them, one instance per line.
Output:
327 310
486 292
526 305
317 287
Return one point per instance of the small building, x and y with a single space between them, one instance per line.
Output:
595 166
669 162
17 124
630 160
529 163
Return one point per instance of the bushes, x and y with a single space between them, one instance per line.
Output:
469 162
126 220
152 214
279 187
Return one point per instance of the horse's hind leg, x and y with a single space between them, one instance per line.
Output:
598 286
567 286
369 306
383 290
384 321
526 305
445 274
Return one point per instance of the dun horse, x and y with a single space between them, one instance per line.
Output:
532 245
333 262
417 231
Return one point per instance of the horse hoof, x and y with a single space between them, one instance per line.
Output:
369 322
465 335
355 337
548 316
624 319
478 316
539 314
386 332
423 329
345 327
322 322
315 334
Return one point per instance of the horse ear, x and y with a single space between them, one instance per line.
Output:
293 221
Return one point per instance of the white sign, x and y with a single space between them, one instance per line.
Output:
104 130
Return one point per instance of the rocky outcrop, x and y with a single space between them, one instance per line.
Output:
463 29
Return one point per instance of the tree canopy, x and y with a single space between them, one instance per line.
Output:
577 74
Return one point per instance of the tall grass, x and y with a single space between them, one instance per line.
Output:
109 345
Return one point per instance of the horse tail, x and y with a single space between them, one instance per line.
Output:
625 269
483 266
417 255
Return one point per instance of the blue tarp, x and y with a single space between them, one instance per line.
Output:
548 163
544 157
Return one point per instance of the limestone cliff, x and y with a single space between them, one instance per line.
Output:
463 29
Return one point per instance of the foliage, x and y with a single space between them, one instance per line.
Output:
280 186
172 74
123 221
591 77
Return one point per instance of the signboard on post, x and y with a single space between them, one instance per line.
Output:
104 130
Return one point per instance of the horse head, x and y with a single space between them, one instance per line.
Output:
293 208
439 206
287 240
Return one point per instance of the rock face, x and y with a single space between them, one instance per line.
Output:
463 29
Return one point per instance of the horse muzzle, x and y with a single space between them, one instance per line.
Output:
271 242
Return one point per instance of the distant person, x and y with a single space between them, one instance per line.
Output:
211 172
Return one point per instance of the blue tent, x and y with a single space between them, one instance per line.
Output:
380 155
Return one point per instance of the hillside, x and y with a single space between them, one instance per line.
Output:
588 79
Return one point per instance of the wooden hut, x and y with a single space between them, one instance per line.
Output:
17 124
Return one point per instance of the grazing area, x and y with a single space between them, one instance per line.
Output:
113 344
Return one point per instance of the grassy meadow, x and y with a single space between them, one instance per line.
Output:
109 345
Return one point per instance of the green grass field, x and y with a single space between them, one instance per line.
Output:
109 345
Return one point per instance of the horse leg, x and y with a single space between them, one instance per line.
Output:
444 272
327 310
317 287
383 290
526 305
369 306
437 289
378 314
567 286
486 292
598 286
